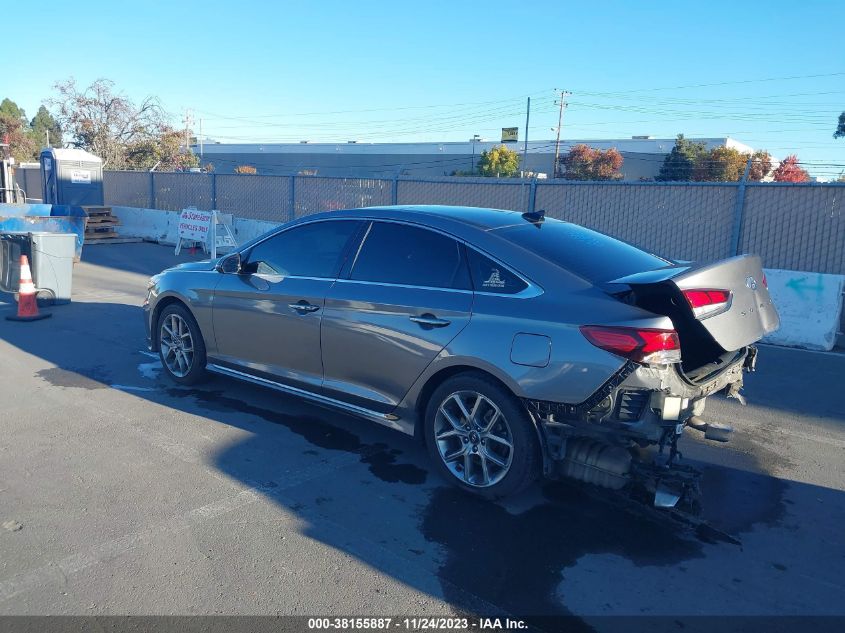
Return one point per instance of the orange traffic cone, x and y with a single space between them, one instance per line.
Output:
27 304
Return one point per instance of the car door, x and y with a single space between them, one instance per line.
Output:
267 316
406 296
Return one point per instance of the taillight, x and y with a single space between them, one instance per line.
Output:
640 345
706 302
765 281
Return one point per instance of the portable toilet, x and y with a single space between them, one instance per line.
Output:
72 177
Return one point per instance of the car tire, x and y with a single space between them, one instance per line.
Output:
182 362
513 425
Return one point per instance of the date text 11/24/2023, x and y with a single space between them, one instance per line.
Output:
415 624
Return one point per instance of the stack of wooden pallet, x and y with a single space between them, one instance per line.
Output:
100 227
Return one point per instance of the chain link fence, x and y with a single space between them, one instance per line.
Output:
680 221
792 226
175 191
266 198
128 189
508 193
314 194
796 227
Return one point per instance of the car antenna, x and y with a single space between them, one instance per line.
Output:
535 217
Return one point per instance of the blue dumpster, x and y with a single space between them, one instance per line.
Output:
50 218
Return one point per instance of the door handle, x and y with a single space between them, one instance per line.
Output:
303 307
429 320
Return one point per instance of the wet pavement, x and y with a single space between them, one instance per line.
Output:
138 496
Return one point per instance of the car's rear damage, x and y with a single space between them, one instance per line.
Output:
602 440
625 436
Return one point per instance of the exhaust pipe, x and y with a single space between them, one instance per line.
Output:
712 430
596 463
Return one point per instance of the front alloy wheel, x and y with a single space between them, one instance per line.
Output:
180 345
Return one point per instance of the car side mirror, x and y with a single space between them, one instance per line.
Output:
231 264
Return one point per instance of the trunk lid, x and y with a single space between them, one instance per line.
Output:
748 316
750 313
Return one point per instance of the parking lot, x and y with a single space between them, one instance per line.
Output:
123 493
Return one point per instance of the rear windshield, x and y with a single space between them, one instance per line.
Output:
594 256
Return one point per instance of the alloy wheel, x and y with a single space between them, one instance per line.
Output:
473 439
177 345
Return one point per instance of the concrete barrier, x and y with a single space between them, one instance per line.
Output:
163 226
810 308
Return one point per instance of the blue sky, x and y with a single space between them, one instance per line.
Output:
394 71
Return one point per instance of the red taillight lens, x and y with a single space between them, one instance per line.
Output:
707 301
641 345
765 281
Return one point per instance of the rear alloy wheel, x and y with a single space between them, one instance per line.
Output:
181 347
480 436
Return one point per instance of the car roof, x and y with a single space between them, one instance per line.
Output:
441 216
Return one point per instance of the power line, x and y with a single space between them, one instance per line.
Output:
726 83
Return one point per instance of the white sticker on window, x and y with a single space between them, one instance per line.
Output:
494 280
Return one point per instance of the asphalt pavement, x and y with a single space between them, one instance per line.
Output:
121 493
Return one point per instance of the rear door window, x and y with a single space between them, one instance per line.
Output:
412 256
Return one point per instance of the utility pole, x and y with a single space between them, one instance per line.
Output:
525 147
563 95
189 119
200 142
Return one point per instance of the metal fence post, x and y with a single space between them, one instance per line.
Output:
152 190
213 191
394 194
739 208
292 200
532 195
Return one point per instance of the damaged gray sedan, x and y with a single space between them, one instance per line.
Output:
514 345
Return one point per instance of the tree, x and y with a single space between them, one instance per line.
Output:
587 163
679 164
761 165
13 132
840 128
123 134
720 164
164 152
104 122
245 169
790 171
42 126
10 108
498 161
